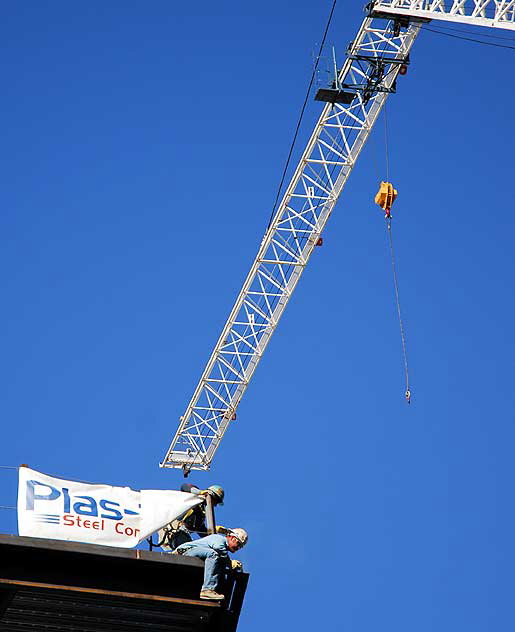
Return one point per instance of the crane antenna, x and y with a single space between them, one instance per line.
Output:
301 116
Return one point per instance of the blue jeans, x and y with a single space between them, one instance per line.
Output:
214 565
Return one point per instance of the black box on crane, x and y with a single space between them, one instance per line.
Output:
330 95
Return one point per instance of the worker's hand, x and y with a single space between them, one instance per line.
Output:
204 492
236 565
220 529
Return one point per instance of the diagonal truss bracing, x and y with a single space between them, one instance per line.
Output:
496 13
318 180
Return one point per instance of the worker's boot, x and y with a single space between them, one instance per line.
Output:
211 594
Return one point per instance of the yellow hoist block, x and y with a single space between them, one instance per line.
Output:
386 195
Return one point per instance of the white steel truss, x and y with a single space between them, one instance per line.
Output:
497 13
368 76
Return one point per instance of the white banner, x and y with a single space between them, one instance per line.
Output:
50 507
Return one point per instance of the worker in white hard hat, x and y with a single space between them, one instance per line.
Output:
214 550
193 521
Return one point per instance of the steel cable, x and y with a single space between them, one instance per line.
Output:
401 326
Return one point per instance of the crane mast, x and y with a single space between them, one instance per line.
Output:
378 53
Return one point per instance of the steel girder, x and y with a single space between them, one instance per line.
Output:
370 71
496 13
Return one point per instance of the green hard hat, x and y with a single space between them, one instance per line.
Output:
218 493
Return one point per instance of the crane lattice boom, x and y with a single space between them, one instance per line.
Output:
369 75
374 59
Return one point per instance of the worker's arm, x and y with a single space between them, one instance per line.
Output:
222 550
186 515
193 489
189 488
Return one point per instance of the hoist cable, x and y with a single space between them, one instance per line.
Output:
449 28
292 146
388 218
376 148
468 39
396 286
313 74
386 141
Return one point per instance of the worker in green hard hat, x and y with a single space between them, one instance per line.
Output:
180 531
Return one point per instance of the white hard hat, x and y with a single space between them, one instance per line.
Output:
240 534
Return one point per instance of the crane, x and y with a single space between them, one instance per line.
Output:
377 55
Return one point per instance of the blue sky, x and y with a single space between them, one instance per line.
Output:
143 145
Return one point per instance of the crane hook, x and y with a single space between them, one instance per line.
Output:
385 198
